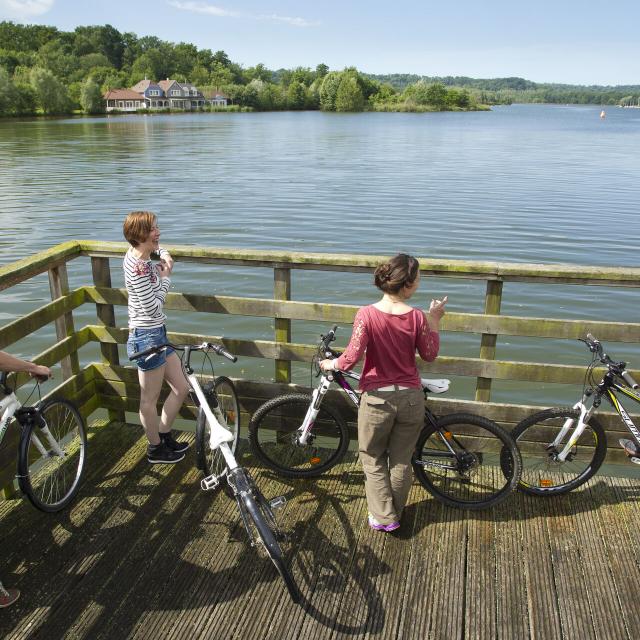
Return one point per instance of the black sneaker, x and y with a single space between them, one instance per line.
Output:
161 454
179 446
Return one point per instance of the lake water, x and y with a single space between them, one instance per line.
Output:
524 183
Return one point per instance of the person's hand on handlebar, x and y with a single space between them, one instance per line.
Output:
328 364
40 372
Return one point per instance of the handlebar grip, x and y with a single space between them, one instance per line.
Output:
629 380
141 354
221 351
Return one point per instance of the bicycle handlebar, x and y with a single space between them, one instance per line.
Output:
205 346
595 346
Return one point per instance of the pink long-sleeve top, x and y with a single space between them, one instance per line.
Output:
389 343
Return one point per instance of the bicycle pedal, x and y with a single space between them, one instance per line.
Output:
209 483
278 502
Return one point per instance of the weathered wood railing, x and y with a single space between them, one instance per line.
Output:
111 386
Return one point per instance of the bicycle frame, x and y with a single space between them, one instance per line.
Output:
318 395
219 437
10 406
606 388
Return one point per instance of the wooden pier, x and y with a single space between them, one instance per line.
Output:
144 553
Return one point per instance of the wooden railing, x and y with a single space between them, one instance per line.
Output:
110 385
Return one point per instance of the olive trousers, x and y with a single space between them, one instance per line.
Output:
389 423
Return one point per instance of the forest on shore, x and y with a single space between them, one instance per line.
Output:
44 70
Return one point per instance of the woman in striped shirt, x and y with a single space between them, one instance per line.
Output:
147 285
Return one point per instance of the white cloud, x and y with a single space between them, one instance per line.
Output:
22 9
219 12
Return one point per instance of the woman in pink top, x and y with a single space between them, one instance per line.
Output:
388 334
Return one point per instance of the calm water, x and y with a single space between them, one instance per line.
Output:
527 183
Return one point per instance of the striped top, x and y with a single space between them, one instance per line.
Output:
146 290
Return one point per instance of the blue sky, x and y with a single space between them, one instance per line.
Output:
571 41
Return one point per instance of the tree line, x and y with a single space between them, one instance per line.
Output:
49 71
46 70
508 90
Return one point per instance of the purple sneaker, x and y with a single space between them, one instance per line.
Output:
376 526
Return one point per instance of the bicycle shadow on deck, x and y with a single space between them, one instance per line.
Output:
334 563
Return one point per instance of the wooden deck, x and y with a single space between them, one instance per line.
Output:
144 553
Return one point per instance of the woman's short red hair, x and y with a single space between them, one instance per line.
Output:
137 226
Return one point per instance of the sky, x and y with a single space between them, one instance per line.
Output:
564 41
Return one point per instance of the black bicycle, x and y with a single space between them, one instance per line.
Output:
563 447
216 442
462 459
52 450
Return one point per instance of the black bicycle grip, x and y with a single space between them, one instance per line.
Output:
221 351
629 380
141 354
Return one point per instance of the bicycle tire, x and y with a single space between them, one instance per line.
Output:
542 474
486 469
208 461
51 482
272 437
263 520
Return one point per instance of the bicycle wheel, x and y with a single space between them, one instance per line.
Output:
212 462
543 474
261 522
273 436
467 461
50 467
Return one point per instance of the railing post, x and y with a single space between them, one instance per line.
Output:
282 291
59 286
106 314
492 303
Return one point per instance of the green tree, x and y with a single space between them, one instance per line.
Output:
321 70
349 96
6 88
329 90
91 97
57 57
296 95
23 99
220 75
51 94
437 95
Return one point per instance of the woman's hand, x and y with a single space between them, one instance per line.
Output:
40 372
327 365
166 257
435 313
164 268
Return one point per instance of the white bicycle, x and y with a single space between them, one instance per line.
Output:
217 431
52 450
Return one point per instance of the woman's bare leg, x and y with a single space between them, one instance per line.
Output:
179 390
150 385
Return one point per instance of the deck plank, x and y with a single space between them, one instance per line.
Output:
144 553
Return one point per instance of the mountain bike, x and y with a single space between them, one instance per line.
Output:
52 449
563 447
464 460
216 440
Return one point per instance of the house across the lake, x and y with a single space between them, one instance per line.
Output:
166 94
124 100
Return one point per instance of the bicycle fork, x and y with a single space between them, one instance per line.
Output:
304 431
585 414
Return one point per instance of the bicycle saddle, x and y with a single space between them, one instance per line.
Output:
435 386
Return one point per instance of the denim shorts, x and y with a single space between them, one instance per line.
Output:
141 339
